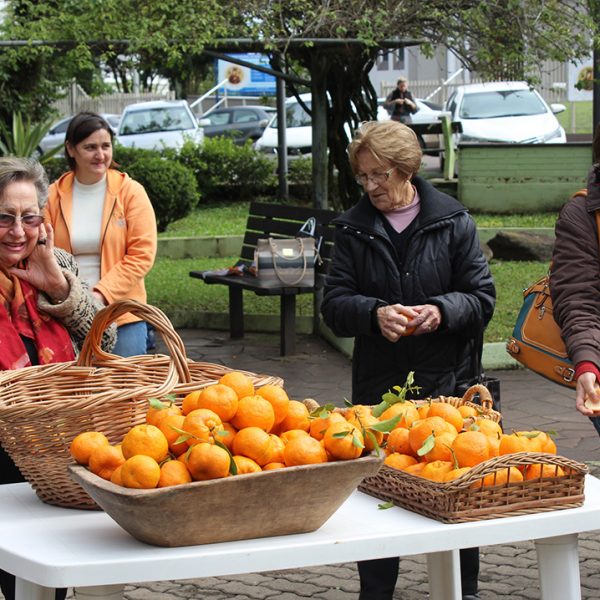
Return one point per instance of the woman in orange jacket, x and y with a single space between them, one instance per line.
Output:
105 219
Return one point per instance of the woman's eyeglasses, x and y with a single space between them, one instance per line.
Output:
376 178
27 222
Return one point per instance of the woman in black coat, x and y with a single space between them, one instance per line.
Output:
410 283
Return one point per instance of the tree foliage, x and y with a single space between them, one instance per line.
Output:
499 39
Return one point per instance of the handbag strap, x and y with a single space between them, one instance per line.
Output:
276 268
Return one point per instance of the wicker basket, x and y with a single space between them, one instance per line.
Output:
465 499
484 410
43 408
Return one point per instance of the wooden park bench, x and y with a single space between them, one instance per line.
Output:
277 221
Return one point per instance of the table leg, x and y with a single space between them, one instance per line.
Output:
444 575
27 590
99 592
558 565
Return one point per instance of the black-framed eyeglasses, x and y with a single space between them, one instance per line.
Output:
376 178
27 222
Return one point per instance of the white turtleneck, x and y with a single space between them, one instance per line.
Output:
88 203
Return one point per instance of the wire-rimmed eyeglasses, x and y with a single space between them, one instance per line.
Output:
27 221
376 178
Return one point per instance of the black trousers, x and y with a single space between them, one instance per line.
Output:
378 577
10 474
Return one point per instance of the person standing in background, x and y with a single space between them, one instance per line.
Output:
106 220
401 102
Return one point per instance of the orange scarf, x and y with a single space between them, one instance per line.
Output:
19 316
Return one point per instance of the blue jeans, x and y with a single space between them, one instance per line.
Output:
596 423
131 339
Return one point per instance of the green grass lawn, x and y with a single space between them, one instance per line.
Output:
170 288
230 219
582 113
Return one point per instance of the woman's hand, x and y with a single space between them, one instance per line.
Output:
43 272
428 320
394 320
587 388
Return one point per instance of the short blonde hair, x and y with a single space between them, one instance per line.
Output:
390 142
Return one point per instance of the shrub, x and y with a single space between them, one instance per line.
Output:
224 169
55 167
300 170
170 185
124 156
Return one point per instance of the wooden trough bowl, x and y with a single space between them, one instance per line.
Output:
280 502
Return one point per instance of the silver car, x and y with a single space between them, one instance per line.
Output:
56 134
158 124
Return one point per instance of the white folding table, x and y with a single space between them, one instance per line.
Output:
48 547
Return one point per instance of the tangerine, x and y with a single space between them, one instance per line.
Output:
278 447
407 412
442 447
116 476
421 430
255 443
511 443
272 466
159 409
172 426
145 439
543 471
226 435
140 472
449 413
239 382
290 434
105 459
203 425
397 441
208 461
85 443
343 441
399 461
190 402
278 398
319 425
297 417
502 477
303 450
173 472
254 411
436 470
219 398
245 465
470 448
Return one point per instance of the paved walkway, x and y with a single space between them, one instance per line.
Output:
320 372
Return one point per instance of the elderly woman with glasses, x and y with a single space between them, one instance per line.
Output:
45 309
409 282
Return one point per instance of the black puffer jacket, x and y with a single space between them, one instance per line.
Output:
444 266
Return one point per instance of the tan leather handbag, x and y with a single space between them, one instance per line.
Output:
536 340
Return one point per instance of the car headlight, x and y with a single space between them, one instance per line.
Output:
553 134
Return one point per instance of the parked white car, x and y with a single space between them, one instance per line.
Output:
157 124
428 111
504 112
298 130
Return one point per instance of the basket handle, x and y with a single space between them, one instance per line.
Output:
92 353
484 395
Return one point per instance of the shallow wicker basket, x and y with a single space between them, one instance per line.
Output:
43 408
465 499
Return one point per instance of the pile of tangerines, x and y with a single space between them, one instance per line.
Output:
441 442
231 428
228 428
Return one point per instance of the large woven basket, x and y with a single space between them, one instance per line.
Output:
465 499
43 408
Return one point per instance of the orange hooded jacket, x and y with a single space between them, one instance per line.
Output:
128 235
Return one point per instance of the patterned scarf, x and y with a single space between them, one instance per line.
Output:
19 316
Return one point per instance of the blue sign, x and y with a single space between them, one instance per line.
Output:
244 80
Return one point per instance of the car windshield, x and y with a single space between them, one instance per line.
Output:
491 105
156 119
295 116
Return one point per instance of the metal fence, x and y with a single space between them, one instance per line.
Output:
77 100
